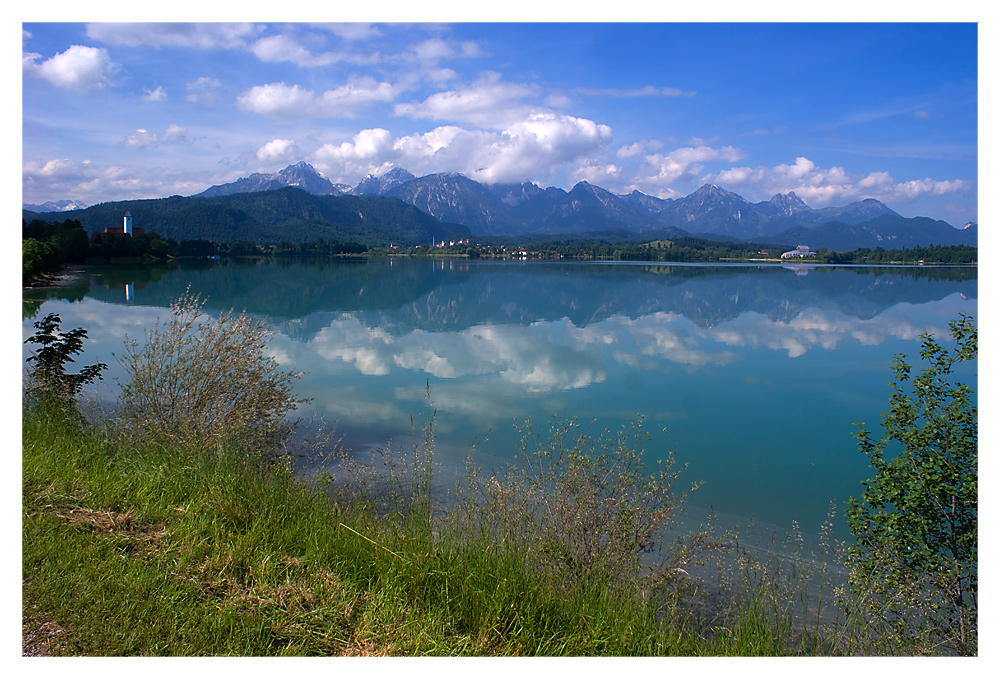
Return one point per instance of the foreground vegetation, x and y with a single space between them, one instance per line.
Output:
145 535
173 550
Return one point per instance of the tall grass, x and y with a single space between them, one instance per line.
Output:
166 549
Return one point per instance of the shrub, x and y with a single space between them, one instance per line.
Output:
914 565
208 381
584 508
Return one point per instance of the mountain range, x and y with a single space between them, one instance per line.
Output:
455 201
55 206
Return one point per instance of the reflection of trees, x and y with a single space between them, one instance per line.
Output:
450 295
282 288
32 300
30 307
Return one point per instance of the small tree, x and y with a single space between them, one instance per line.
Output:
914 565
47 376
207 381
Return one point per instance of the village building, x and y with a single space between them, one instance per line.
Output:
126 229
800 251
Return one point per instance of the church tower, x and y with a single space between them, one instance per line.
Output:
128 223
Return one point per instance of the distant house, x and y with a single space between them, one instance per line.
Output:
126 229
800 251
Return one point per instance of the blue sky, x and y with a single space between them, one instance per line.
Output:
836 112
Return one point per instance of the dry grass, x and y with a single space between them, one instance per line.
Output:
110 522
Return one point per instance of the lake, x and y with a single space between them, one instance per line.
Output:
751 374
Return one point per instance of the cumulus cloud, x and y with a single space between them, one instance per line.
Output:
538 145
277 150
531 148
680 165
489 103
820 187
190 35
376 150
280 100
79 68
142 138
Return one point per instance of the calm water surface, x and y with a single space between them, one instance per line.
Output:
754 374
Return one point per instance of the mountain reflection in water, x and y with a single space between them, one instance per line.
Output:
755 374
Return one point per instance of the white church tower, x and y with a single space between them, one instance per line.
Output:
128 223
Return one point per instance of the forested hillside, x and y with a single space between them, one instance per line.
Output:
273 216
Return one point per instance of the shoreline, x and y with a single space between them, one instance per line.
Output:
64 275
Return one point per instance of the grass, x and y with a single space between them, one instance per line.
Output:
133 547
161 550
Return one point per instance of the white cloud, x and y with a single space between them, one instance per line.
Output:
680 165
191 35
558 100
439 75
276 48
433 50
277 150
203 90
370 150
59 168
352 31
533 148
820 187
596 174
79 68
142 138
159 94
489 103
279 100
639 148
530 149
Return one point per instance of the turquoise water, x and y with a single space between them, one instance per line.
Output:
752 375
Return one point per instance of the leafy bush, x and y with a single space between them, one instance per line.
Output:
208 381
914 565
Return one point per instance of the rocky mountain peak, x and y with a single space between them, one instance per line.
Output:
378 185
787 204
301 175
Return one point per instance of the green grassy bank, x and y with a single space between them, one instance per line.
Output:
152 549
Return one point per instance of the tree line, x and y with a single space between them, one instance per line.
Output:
690 249
936 254
48 246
